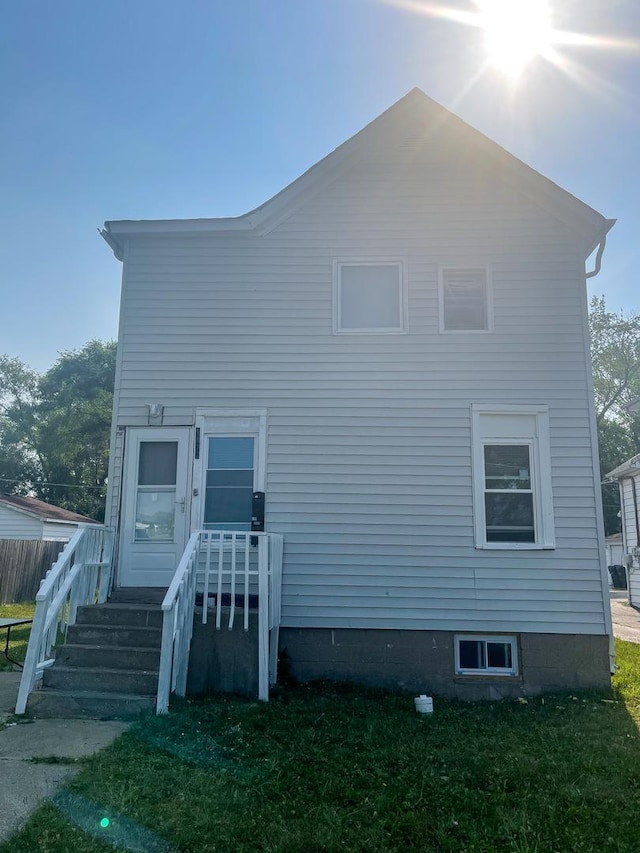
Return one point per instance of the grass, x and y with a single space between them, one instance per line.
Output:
19 636
329 768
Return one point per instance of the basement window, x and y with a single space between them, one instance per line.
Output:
486 655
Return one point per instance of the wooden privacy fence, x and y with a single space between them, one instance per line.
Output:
23 564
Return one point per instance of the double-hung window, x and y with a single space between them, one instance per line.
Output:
513 503
369 297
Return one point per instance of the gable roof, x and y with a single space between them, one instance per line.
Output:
628 468
415 112
43 511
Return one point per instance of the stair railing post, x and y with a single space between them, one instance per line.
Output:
33 653
263 617
166 660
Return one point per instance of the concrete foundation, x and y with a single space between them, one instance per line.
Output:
224 661
423 662
415 661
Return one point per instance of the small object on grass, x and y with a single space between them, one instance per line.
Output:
104 823
521 700
424 704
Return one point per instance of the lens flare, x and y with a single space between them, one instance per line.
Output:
516 31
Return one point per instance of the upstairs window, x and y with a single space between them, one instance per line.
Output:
465 304
508 493
369 298
513 503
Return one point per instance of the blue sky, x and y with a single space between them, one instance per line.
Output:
155 109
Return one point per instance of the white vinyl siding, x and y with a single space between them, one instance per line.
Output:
53 532
18 525
369 454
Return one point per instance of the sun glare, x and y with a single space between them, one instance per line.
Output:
516 31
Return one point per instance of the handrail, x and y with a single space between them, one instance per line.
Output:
177 626
81 575
215 561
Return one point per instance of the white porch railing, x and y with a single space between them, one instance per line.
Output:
81 575
228 566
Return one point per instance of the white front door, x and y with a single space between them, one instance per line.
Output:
229 468
155 508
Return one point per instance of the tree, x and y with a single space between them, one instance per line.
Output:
615 354
54 428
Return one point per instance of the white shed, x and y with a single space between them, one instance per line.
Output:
28 518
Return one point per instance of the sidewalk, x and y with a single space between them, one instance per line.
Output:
26 784
626 619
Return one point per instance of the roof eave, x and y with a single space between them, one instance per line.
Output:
631 466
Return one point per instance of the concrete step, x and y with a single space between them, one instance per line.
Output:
146 595
113 636
92 704
103 679
123 615
109 657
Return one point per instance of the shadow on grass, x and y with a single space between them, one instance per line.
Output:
330 768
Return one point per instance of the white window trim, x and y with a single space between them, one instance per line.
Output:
501 672
540 476
489 284
402 295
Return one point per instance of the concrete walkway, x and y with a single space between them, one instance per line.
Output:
25 785
626 619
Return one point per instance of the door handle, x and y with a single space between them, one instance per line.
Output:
182 503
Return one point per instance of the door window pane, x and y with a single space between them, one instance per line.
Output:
158 463
230 453
227 477
155 516
229 483
225 506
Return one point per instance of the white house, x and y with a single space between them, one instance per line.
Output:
29 518
393 352
628 477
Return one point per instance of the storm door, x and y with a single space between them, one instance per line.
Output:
155 509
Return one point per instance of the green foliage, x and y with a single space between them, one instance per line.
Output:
54 428
19 635
615 354
333 768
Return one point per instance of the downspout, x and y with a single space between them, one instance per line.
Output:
599 255
606 609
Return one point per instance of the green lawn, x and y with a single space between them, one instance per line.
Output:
335 769
19 636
